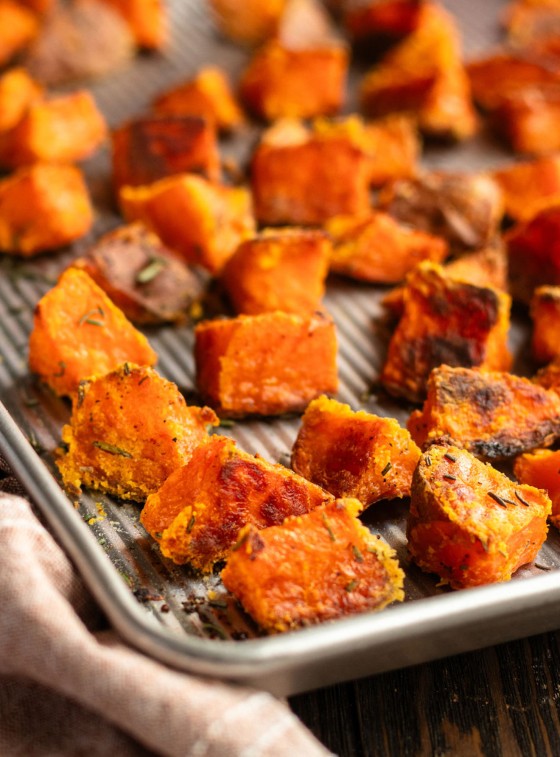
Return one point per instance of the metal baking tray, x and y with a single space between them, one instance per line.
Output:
167 611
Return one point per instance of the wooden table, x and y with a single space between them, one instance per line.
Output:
504 700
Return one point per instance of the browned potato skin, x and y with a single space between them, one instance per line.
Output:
314 567
197 513
494 415
445 322
471 524
265 364
141 276
354 454
129 430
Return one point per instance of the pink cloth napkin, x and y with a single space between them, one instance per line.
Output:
70 686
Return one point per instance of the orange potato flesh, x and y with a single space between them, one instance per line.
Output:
312 568
469 523
78 332
390 18
18 27
265 364
147 20
197 513
250 22
526 185
530 121
493 415
354 454
394 147
541 469
17 91
545 313
129 430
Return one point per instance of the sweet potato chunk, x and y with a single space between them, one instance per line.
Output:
381 19
78 333
312 568
376 248
304 178
541 468
129 430
18 27
147 20
469 523
527 20
545 312
202 222
250 22
549 376
141 276
465 209
265 364
197 513
354 454
282 269
17 91
151 148
43 207
61 129
494 415
445 321
530 121
207 95
528 185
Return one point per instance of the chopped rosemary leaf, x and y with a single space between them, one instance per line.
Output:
150 271
112 449
89 317
357 554
428 460
449 477
61 372
450 457
386 469
497 499
352 585
190 524
240 542
328 527
520 498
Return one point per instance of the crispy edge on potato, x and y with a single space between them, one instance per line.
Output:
541 468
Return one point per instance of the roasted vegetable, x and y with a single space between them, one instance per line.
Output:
312 568
197 513
265 364
469 523
79 333
147 20
250 22
129 430
17 91
354 454
493 415
545 313
18 27
376 21
541 468
529 186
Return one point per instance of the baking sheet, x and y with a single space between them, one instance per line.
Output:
168 611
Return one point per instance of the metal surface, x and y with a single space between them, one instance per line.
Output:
169 612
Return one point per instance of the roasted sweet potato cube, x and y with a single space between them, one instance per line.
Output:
207 95
465 209
129 430
61 129
528 185
545 313
528 20
202 222
394 148
78 332
445 321
530 121
250 22
17 91
541 469
549 376
151 148
198 512
492 414
469 523
314 567
376 248
305 178
382 19
424 75
265 364
43 207
18 27
354 454
147 20
534 253
283 269
141 276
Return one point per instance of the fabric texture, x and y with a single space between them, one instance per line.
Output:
70 686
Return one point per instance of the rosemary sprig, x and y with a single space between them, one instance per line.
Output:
112 449
153 268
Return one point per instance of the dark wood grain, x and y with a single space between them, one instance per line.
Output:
498 702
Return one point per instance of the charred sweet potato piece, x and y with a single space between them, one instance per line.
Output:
282 269
469 523
541 469
492 414
61 129
202 222
533 249
197 513
43 207
465 209
526 186
129 430
545 313
141 276
354 454
265 364
445 321
208 95
147 20
18 27
305 178
424 75
530 121
314 567
154 147
376 248
379 20
17 91
250 22
78 333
